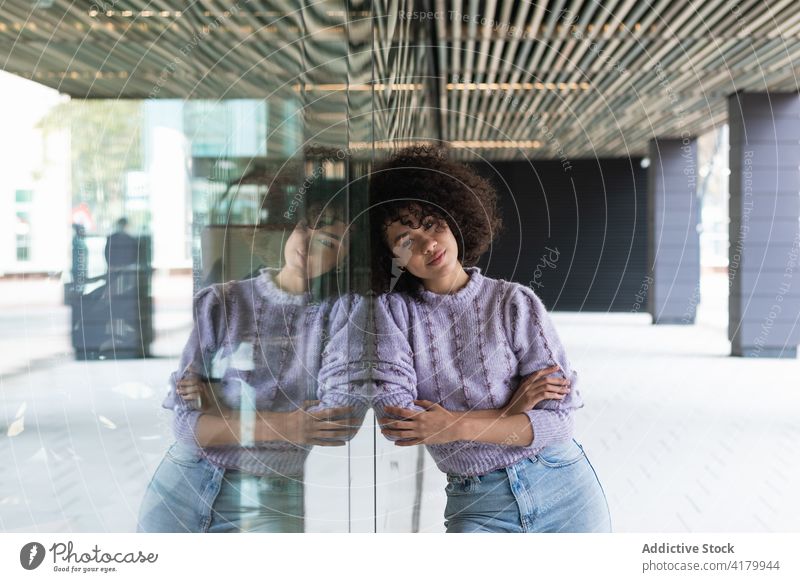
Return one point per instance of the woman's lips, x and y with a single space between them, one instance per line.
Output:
438 258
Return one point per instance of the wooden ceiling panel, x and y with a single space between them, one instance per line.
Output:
574 78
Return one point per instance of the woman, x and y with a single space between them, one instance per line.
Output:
242 418
452 346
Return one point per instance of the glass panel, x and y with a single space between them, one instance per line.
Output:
218 242
207 249
409 487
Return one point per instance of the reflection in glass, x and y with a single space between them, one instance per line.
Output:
244 395
205 166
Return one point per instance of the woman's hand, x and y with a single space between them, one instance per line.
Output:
431 426
534 389
200 394
331 427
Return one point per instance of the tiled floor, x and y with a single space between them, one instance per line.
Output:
684 438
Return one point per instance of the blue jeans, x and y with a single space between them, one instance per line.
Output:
189 494
556 490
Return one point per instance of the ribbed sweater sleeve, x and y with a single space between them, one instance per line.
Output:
208 316
344 369
536 343
394 375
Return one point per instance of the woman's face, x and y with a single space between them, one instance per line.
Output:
427 252
314 252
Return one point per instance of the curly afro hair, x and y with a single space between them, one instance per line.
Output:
421 181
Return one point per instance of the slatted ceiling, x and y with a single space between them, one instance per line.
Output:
443 52
400 67
706 50
731 88
486 47
401 61
453 71
404 97
509 71
498 72
788 27
767 17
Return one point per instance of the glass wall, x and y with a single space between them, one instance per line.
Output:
409 488
156 247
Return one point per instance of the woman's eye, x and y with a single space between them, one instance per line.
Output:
406 244
326 243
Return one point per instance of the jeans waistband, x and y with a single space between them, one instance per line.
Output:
456 478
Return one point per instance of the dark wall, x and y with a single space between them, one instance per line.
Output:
577 235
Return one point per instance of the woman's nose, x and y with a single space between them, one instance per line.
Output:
429 244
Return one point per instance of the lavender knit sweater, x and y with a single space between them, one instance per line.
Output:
466 351
264 345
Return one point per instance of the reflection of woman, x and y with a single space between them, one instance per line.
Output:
242 420
459 342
